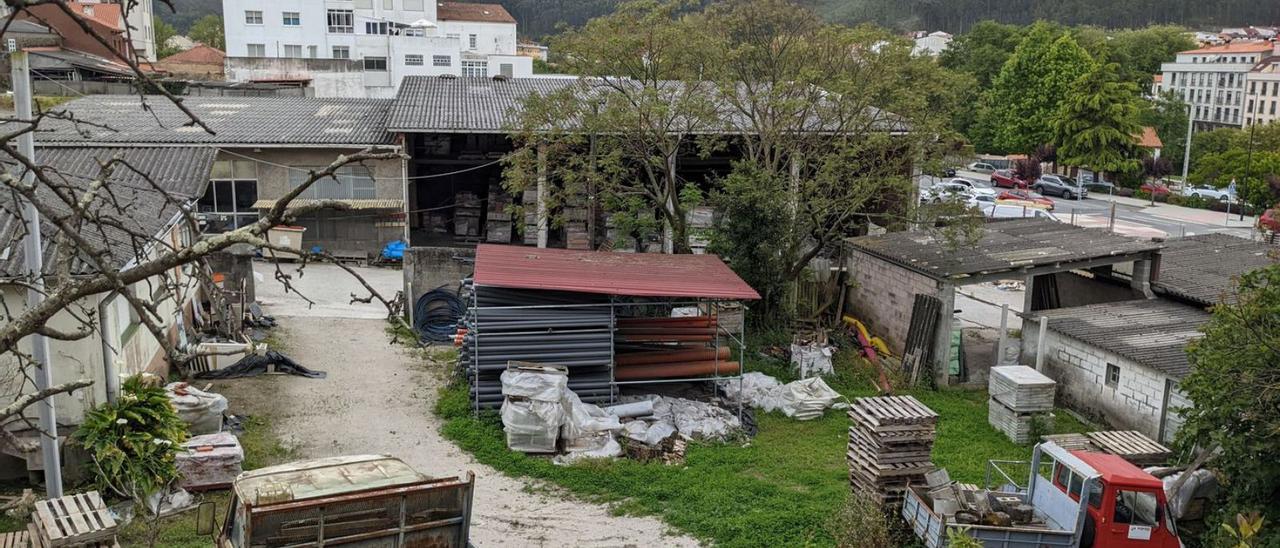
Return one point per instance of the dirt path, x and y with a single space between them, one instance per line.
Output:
378 398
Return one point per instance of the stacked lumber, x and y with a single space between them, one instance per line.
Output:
670 348
79 520
1020 396
889 445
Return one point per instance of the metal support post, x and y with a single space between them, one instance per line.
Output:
1040 343
1004 334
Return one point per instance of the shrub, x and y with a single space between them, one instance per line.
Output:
860 522
1124 192
132 442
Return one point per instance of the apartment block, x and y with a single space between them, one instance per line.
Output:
1213 81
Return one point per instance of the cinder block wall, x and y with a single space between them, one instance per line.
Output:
1135 403
882 296
426 268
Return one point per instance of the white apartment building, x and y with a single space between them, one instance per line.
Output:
364 48
1212 80
1262 97
141 22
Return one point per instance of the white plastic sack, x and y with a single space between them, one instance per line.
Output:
584 419
202 411
547 386
1201 484
806 399
811 360
695 419
646 433
755 389
608 449
532 426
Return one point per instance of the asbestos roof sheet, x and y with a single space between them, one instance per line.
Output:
609 273
1152 332
1004 246
482 13
311 479
298 121
128 198
1203 268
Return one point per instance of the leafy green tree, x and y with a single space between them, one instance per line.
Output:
1168 115
1026 95
1251 173
1140 52
208 30
1206 143
164 32
1097 123
1234 385
982 50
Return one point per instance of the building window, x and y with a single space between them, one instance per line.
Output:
255 50
1273 108
292 50
479 69
413 60
413 32
341 22
313 51
471 41
375 63
375 27
441 61
252 17
1113 375
341 52
348 183
233 190
292 19
453 36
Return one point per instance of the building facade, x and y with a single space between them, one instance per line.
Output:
1212 80
364 48
1262 95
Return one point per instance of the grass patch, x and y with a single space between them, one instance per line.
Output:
42 102
785 487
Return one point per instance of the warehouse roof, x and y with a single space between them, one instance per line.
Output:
1008 246
609 273
1202 268
481 13
182 172
1152 332
241 121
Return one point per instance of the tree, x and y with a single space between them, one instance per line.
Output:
1139 52
982 50
1032 84
1156 168
208 30
1167 114
163 32
1027 169
1240 348
1097 123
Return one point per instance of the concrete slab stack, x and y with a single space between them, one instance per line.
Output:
1020 396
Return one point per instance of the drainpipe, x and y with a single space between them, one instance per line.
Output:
110 375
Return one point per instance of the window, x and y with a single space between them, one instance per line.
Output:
388 4
1113 375
414 32
375 63
252 17
413 60
506 69
313 51
255 50
341 52
413 5
349 183
233 190
292 50
478 69
441 61
1253 88
292 19
1139 508
453 36
341 22
375 27
471 41
1273 107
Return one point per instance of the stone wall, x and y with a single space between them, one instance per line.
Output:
883 294
426 268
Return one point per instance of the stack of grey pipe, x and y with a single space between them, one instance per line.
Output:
554 328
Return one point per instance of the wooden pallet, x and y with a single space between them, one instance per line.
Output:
890 411
34 540
17 539
74 520
1131 446
890 442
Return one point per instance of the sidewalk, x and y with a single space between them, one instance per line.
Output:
1183 214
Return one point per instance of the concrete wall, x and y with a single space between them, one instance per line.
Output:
1136 402
426 268
71 360
883 294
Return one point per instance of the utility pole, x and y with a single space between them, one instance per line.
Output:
1186 150
32 253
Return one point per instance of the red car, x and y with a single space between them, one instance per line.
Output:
1157 189
1004 178
1270 220
1023 195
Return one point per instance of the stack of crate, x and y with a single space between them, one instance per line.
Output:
466 215
889 446
498 216
1020 396
530 201
576 235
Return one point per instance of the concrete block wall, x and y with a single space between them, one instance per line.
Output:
883 294
426 268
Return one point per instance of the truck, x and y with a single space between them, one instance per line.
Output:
361 500
1078 499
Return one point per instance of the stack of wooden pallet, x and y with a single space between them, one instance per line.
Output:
79 520
1020 396
1129 445
889 446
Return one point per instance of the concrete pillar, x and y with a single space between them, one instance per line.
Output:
1141 281
543 225
1028 295
942 334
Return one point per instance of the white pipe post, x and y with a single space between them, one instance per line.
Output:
33 255
1004 334
1040 343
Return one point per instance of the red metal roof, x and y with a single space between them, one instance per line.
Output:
1117 471
627 274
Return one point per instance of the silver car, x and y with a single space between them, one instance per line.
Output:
1060 185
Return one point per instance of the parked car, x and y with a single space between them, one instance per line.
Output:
1210 193
1005 178
1060 185
981 201
1005 210
1156 189
1270 219
974 187
1100 186
1023 195
981 167
944 172
946 190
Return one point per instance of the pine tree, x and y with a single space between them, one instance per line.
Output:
1097 123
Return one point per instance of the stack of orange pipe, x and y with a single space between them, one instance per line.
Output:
686 353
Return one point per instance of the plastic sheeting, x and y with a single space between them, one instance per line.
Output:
811 360
202 411
804 399
694 419
1201 485
533 409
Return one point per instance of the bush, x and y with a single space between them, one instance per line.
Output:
860 522
132 442
1124 192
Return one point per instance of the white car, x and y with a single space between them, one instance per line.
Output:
1010 211
1210 193
975 187
946 190
981 167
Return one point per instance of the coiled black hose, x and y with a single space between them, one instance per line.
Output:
436 315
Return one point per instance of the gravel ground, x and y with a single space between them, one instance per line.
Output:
377 398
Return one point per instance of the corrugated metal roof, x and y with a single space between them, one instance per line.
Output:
182 172
1203 268
1152 332
624 274
1004 246
310 479
353 204
299 121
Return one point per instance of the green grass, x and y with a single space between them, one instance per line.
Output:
781 488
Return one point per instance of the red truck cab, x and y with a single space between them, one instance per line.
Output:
1126 506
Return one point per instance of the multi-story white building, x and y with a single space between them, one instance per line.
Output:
1212 80
363 48
1262 96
